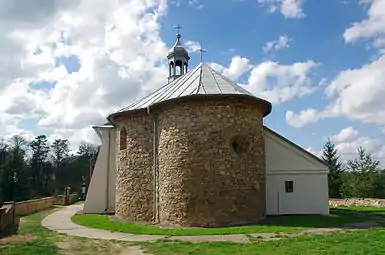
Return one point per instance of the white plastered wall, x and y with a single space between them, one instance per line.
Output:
98 200
287 162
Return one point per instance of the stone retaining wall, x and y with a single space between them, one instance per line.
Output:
357 202
61 199
33 206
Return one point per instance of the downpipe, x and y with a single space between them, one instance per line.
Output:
108 172
155 158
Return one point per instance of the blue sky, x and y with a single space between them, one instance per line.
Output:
243 28
92 61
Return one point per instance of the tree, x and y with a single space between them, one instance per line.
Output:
40 172
3 174
365 173
60 159
85 158
14 177
331 158
88 149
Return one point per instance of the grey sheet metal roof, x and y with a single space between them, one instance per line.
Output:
200 80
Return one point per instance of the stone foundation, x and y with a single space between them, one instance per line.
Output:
357 202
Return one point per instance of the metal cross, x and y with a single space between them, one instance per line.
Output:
178 27
201 50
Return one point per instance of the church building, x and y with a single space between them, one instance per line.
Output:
196 153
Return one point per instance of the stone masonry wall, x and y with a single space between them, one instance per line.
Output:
134 176
34 205
357 202
211 163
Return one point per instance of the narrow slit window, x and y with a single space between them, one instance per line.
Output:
289 186
123 139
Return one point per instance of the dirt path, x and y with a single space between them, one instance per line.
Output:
76 246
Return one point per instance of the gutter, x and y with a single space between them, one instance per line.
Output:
108 171
155 158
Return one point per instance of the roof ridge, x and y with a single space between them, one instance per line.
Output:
228 80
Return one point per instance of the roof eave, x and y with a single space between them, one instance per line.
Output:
267 104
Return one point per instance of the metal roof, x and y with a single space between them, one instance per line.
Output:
201 80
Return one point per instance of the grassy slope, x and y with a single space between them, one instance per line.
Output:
284 224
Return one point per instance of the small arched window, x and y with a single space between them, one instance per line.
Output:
171 68
178 67
123 139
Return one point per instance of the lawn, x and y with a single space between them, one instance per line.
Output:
368 242
287 224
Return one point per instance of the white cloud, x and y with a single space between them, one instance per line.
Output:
281 43
271 80
217 67
302 118
237 67
176 3
372 26
348 149
192 46
290 9
118 46
280 83
358 93
379 43
314 151
344 135
196 4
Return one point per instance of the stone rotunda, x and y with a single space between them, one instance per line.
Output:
192 153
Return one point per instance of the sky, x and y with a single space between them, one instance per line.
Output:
67 64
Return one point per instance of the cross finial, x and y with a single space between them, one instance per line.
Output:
201 50
178 27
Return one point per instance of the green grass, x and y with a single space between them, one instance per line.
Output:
43 245
286 224
368 242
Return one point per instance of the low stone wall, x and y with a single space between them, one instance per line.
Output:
357 202
33 206
61 199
